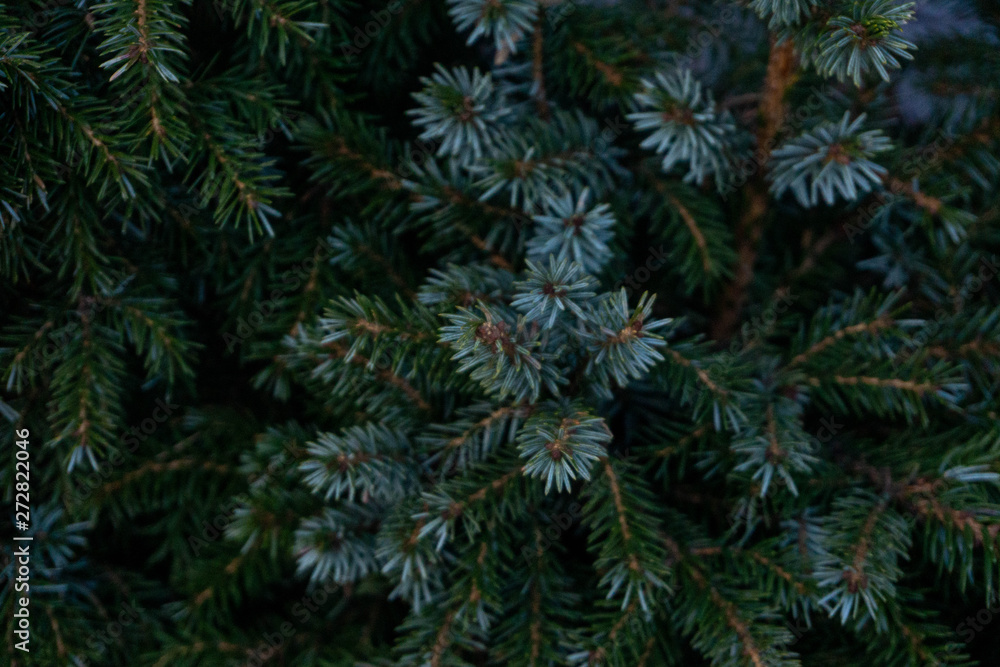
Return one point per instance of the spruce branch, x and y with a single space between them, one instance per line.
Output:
538 65
358 462
715 618
623 533
686 127
507 21
480 432
829 159
462 109
505 359
550 291
621 341
572 231
865 41
561 443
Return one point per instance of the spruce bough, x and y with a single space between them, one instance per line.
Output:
415 418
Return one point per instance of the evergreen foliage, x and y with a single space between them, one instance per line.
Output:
477 332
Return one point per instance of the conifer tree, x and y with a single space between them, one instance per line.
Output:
527 332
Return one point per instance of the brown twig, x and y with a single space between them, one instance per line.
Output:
919 388
930 204
870 327
385 375
782 70
538 66
393 182
740 627
692 226
611 74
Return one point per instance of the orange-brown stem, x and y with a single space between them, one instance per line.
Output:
782 70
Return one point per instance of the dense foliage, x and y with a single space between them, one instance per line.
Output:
528 332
